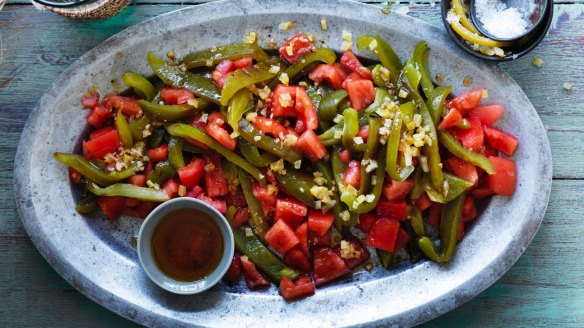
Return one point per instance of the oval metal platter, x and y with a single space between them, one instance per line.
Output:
96 255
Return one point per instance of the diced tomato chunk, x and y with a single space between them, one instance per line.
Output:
352 63
270 126
394 190
171 187
453 118
240 217
104 144
352 176
435 214
482 190
402 239
328 73
383 235
111 206
90 101
361 93
488 114
281 237
138 180
500 140
99 132
345 155
219 204
264 194
366 222
215 182
319 222
128 106
98 116
234 272
295 258
243 62
281 94
158 154
306 112
462 169
472 138
302 234
192 174
222 70
327 265
296 47
354 256
196 192
215 128
466 101
392 209
291 211
423 202
300 288
175 96
253 278
311 146
505 177
363 132
315 240
469 209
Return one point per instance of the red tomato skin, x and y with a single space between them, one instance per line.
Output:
361 93
300 44
435 214
472 138
111 206
488 114
402 239
295 258
383 235
171 187
505 178
98 133
281 237
240 217
253 278
366 222
327 265
234 272
222 70
352 176
196 192
215 182
175 96
193 173
128 106
219 204
306 111
98 116
462 169
354 262
158 154
311 146
283 111
319 222
352 63
392 209
345 155
363 132
291 211
302 234
466 101
270 126
394 190
104 144
90 101
469 209
301 288
215 128
328 73
501 141
261 193
243 62
138 180
315 240
423 202
452 119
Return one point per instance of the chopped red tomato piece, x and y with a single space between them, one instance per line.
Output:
291 211
234 272
453 118
469 209
355 256
402 239
488 114
215 182
128 106
435 214
315 240
171 187
219 204
328 265
366 222
361 93
235 197
306 112
472 138
482 190
462 169
281 237
100 132
296 47
300 288
243 62
222 70
98 116
192 174
504 180
111 206
352 63
311 146
215 128
466 101
352 176
302 234
295 258
363 132
240 217
158 154
394 190
104 144
345 155
138 180
283 101
253 278
319 222
423 202
90 101
175 96
264 194
383 235
329 73
196 192
500 140
270 126
392 209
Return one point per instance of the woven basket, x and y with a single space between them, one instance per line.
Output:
99 9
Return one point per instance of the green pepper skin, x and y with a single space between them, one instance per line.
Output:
166 113
91 172
257 220
385 258
174 76
175 155
138 126
420 58
416 221
391 164
217 54
269 144
187 131
456 186
304 64
387 56
130 191
246 77
124 131
162 171
350 130
381 97
458 150
366 207
298 184
328 107
435 102
419 184
378 79
87 203
449 223
238 105
252 155
258 253
142 87
370 151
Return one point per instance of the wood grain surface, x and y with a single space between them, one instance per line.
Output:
544 288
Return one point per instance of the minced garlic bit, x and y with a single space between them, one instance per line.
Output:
318 205
251 117
248 232
265 92
338 134
272 189
303 84
417 119
290 50
170 55
284 78
445 188
338 119
373 46
152 185
204 118
193 102
234 135
370 198
346 35
319 179
285 100
251 37
403 93
348 251
298 164
323 24
485 94
345 216
182 190
346 45
257 138
209 167
285 26
290 141
358 140
538 62
357 202
274 69
371 166
209 62
567 86
424 164
368 266
374 180
277 166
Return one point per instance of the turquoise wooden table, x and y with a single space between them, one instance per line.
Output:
544 288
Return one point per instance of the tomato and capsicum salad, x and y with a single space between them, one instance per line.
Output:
315 158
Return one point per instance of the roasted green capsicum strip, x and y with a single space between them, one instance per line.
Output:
332 136
366 206
87 203
435 102
298 184
458 150
162 171
381 78
258 253
156 138
381 97
329 104
215 55
142 87
130 191
138 126
252 154
383 50
350 130
174 76
257 220
301 66
269 144
246 77
187 131
238 105
416 221
394 171
166 113
124 131
420 58
175 155
456 186
449 222
385 258
419 184
369 154
91 172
